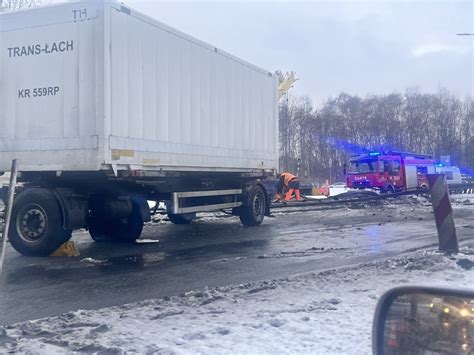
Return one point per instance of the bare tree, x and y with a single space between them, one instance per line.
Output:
316 142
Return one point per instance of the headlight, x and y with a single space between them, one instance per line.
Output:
464 312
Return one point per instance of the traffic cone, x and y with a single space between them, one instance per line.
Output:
392 338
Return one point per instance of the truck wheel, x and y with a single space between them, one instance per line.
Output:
118 229
100 230
252 214
37 223
183 218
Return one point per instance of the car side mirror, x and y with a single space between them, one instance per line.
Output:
424 320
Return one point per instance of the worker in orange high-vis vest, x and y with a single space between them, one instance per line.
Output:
291 183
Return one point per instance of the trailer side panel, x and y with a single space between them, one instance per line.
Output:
91 86
179 103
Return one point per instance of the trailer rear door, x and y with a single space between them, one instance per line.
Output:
50 87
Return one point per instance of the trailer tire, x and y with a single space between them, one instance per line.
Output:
126 230
98 230
37 223
253 213
183 218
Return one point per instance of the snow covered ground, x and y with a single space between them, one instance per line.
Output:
465 199
325 313
4 179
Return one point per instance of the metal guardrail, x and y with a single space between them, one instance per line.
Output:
461 187
350 197
358 196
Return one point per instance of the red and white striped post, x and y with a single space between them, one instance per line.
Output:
443 213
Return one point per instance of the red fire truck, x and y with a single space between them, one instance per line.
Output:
389 171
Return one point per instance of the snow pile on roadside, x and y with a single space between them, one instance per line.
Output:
4 180
431 261
326 313
462 199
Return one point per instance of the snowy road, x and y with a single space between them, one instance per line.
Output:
215 252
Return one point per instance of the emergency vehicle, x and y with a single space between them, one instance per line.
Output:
389 171
452 174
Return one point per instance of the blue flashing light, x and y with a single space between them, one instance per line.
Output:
439 165
374 154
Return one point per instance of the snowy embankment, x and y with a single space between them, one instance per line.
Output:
325 313
463 199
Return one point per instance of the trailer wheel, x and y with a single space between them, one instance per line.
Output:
118 229
183 218
252 214
37 223
100 230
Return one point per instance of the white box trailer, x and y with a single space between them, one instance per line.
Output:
104 107
91 85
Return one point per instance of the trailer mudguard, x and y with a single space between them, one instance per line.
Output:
74 208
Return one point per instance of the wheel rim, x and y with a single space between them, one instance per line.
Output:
258 205
31 223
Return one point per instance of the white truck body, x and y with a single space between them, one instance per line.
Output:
452 174
91 86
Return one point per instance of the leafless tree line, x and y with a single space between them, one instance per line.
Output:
316 142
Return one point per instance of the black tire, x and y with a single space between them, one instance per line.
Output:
184 218
37 223
99 230
126 230
252 214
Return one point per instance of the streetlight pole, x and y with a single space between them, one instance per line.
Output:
466 34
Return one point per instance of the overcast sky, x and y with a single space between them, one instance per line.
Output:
358 47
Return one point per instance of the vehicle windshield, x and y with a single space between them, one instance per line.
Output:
363 166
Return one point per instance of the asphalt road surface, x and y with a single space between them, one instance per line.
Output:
214 252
